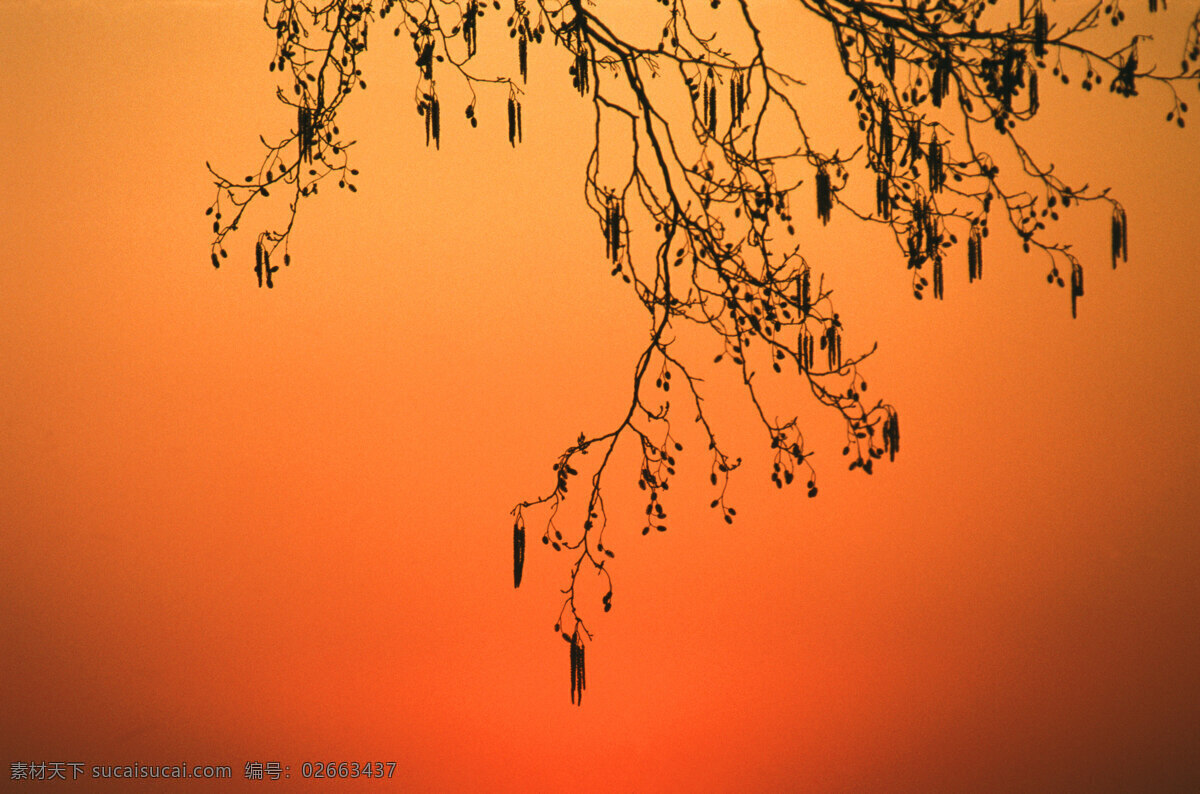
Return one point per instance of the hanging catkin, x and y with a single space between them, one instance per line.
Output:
514 121
1120 230
578 676
885 136
518 553
824 195
891 433
1040 27
1076 285
975 252
805 349
469 28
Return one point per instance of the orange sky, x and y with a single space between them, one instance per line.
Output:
241 525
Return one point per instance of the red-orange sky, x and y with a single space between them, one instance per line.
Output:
249 526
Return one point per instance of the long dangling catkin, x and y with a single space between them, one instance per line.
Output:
975 253
574 669
824 195
469 28
1076 285
941 79
833 347
612 227
578 676
425 59
933 161
805 349
712 109
518 553
304 133
891 433
939 282
737 98
1040 27
1120 241
513 110
258 261
607 227
581 61
1008 77
931 236
883 199
914 142
435 110
885 136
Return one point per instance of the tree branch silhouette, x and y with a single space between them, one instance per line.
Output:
695 200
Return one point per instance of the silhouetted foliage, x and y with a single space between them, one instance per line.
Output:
698 218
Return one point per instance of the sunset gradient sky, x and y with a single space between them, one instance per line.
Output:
244 525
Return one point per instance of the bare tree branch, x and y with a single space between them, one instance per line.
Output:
941 91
